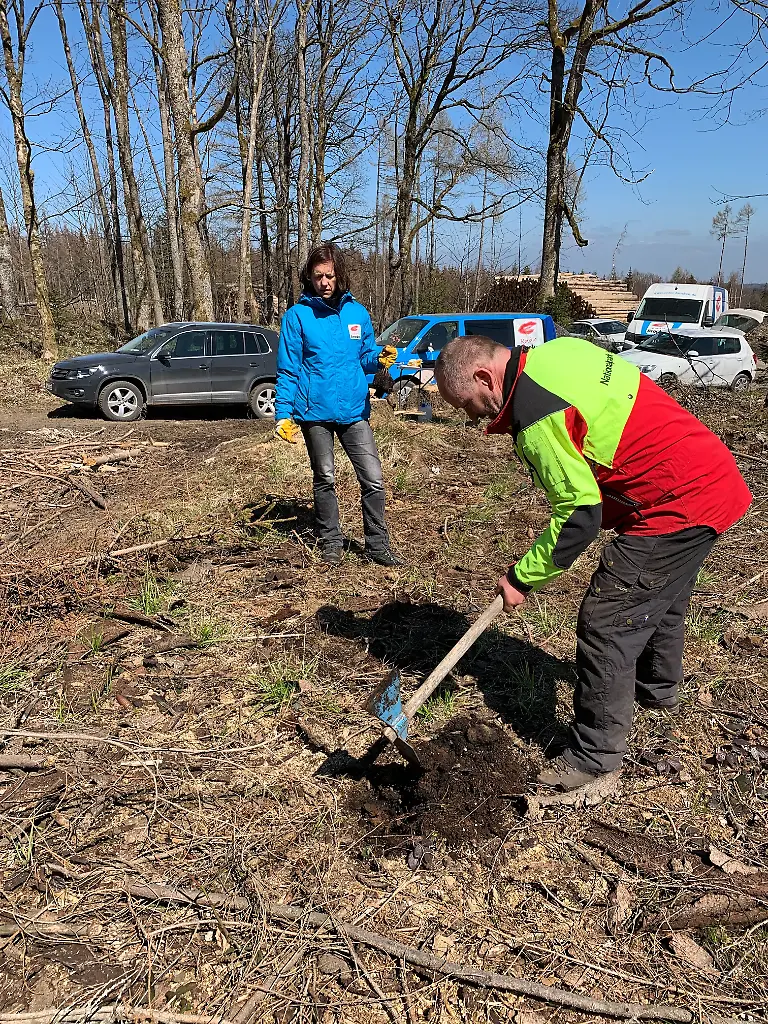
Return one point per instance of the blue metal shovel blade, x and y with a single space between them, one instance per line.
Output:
386 704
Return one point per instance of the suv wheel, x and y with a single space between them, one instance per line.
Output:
121 401
741 382
262 401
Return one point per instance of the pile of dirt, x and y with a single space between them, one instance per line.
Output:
472 774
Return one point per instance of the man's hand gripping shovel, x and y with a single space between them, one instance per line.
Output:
387 705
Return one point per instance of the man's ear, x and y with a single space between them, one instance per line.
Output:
484 377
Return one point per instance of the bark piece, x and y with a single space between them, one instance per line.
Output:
729 864
692 954
620 907
731 910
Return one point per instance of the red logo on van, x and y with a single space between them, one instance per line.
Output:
527 328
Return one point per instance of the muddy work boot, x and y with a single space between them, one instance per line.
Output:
382 556
656 705
562 776
331 554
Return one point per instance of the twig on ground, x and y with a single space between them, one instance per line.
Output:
85 488
417 957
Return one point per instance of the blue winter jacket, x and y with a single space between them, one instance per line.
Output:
323 357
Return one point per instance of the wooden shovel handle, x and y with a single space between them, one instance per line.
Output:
455 654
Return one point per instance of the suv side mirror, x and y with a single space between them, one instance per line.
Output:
707 321
630 316
164 358
692 352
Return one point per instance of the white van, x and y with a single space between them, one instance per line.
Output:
667 307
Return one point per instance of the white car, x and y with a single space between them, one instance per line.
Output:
744 320
601 330
696 356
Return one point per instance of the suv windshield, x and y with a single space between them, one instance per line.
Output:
401 332
679 311
667 344
146 342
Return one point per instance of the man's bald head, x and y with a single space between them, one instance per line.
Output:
470 375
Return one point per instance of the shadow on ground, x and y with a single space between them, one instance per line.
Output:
518 681
161 413
286 516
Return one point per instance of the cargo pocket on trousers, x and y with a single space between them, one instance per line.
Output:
642 600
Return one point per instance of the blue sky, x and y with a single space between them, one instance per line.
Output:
693 160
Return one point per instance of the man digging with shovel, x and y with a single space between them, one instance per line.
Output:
610 449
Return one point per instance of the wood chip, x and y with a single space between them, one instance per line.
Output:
729 864
620 906
691 953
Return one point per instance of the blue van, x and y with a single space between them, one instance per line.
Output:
421 336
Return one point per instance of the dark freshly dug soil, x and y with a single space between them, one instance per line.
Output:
472 773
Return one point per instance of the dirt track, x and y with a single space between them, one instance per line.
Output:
221 732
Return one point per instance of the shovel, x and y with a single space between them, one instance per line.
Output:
386 703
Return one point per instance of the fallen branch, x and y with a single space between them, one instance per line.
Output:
138 618
91 493
121 456
109 553
417 957
736 911
106 1014
26 762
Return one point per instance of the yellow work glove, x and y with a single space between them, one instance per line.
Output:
413 362
287 430
388 356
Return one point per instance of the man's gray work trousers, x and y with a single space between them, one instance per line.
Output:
630 639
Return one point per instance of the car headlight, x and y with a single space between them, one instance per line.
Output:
86 371
647 368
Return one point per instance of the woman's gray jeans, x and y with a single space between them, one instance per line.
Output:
358 442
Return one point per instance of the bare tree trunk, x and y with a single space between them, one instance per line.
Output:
95 170
191 190
92 30
746 244
479 267
559 134
302 178
265 245
283 107
14 72
245 282
7 282
377 216
170 196
169 191
148 289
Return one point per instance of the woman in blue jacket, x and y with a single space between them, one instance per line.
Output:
326 348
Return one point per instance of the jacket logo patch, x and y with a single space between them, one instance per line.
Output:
355 332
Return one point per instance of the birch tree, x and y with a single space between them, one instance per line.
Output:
7 280
14 57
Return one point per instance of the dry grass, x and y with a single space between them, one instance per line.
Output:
211 766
